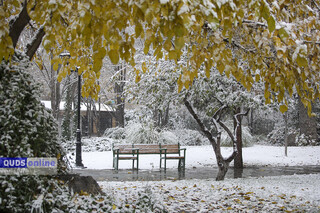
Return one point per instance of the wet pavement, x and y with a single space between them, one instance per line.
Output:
193 173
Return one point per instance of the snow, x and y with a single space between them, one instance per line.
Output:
183 9
164 1
203 156
285 193
297 193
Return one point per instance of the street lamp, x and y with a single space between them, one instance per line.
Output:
78 132
78 142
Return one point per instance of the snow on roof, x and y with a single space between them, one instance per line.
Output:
103 107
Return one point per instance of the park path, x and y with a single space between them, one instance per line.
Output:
192 173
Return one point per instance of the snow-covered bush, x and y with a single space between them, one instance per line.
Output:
188 137
94 144
304 140
27 129
247 138
139 133
116 133
276 137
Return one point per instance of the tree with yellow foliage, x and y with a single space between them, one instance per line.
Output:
277 40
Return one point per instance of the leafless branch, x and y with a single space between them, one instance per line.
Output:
237 45
254 24
201 125
219 112
317 6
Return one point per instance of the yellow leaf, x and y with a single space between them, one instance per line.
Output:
114 56
179 43
271 24
114 207
257 77
220 67
144 67
302 61
179 30
167 45
265 13
172 55
283 34
283 108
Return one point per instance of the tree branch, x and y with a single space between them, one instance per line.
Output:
17 26
254 24
202 127
317 6
34 45
233 43
219 112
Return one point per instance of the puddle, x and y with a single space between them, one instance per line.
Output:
193 173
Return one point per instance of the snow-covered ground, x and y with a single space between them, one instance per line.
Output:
203 156
296 193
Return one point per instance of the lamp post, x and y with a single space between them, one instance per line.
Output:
78 142
78 132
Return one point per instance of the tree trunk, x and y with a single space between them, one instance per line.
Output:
17 26
238 161
161 119
223 165
34 45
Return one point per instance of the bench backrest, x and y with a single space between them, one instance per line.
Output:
124 148
148 148
171 148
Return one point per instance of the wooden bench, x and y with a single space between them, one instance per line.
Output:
133 151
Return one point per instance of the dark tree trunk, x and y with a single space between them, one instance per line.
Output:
223 163
161 119
17 26
238 160
32 48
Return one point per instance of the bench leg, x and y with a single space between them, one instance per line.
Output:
137 163
165 164
115 163
182 164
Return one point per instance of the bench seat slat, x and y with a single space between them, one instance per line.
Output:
128 158
175 157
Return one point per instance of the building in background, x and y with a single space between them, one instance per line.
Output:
95 118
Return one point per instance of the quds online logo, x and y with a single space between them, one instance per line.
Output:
33 166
